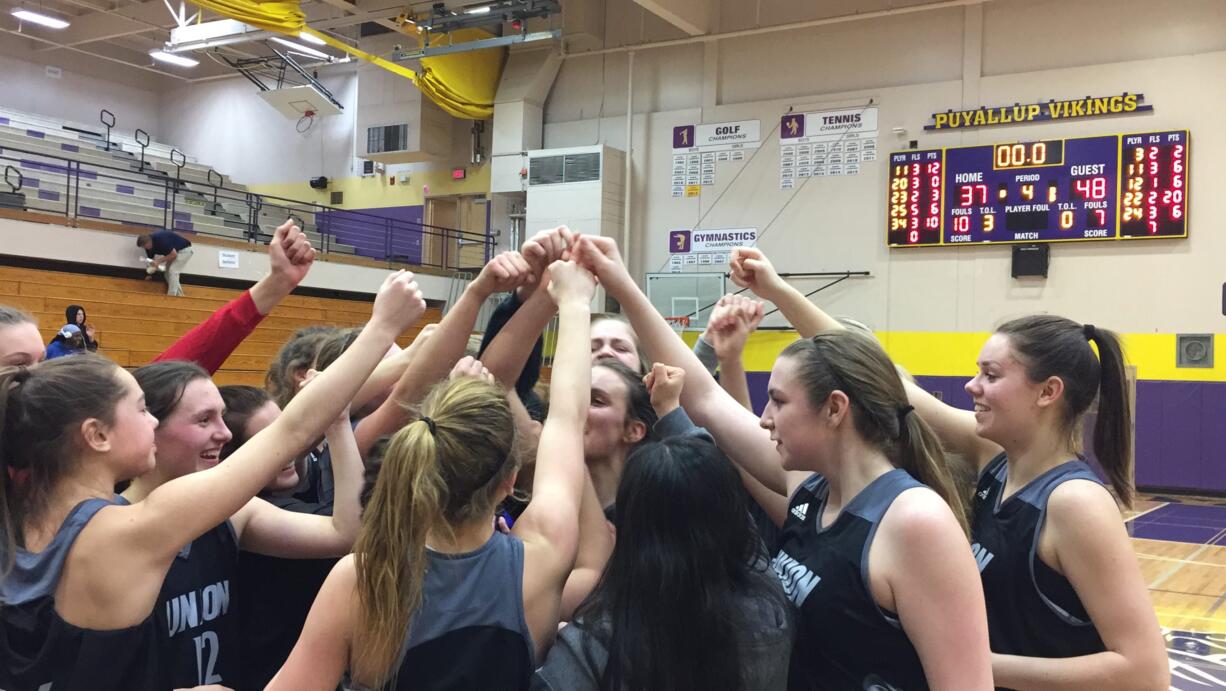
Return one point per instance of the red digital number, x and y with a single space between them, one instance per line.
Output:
1091 188
967 194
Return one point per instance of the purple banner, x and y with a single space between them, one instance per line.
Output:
377 233
792 126
678 241
683 137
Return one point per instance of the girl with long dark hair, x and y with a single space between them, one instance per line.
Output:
687 601
873 554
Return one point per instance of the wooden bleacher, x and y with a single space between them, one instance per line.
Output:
136 320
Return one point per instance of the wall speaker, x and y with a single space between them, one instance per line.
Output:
1194 350
1030 260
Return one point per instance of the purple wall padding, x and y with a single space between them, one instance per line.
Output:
950 388
1180 434
369 235
757 389
1180 428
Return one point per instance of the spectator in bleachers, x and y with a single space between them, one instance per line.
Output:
290 257
20 343
174 251
75 314
69 341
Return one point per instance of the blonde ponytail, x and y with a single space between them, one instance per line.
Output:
390 551
437 473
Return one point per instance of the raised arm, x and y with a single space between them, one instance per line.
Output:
266 529
159 525
390 370
444 348
510 350
549 526
751 269
511 344
595 548
953 426
208 344
733 320
665 385
735 429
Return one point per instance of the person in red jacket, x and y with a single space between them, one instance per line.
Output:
290 256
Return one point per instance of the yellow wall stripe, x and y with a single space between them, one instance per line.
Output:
953 354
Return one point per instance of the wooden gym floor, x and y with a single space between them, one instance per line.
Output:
1181 545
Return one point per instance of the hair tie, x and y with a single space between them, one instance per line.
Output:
1089 332
430 423
903 411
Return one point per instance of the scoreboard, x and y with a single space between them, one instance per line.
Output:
1113 187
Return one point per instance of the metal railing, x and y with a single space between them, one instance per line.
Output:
201 203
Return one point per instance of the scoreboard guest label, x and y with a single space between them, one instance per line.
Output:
1129 186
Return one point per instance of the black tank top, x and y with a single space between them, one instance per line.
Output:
275 597
40 651
470 632
196 613
1032 609
843 639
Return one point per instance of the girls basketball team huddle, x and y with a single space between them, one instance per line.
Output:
420 519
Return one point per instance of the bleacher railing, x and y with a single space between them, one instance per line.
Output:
154 199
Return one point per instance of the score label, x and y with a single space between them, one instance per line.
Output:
1153 188
1092 188
916 196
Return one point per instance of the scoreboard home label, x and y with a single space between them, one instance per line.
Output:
1114 187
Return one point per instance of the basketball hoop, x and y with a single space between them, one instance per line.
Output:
679 324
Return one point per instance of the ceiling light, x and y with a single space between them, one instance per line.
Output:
173 59
41 19
485 9
302 49
312 38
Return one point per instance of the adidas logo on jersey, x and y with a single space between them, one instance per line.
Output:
800 511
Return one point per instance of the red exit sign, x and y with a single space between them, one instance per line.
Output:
458 174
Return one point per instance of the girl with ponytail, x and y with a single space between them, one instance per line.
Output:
433 596
1067 607
83 570
873 553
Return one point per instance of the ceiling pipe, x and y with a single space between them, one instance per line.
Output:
629 187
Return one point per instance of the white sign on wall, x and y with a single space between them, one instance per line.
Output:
702 241
825 143
227 259
717 136
697 148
